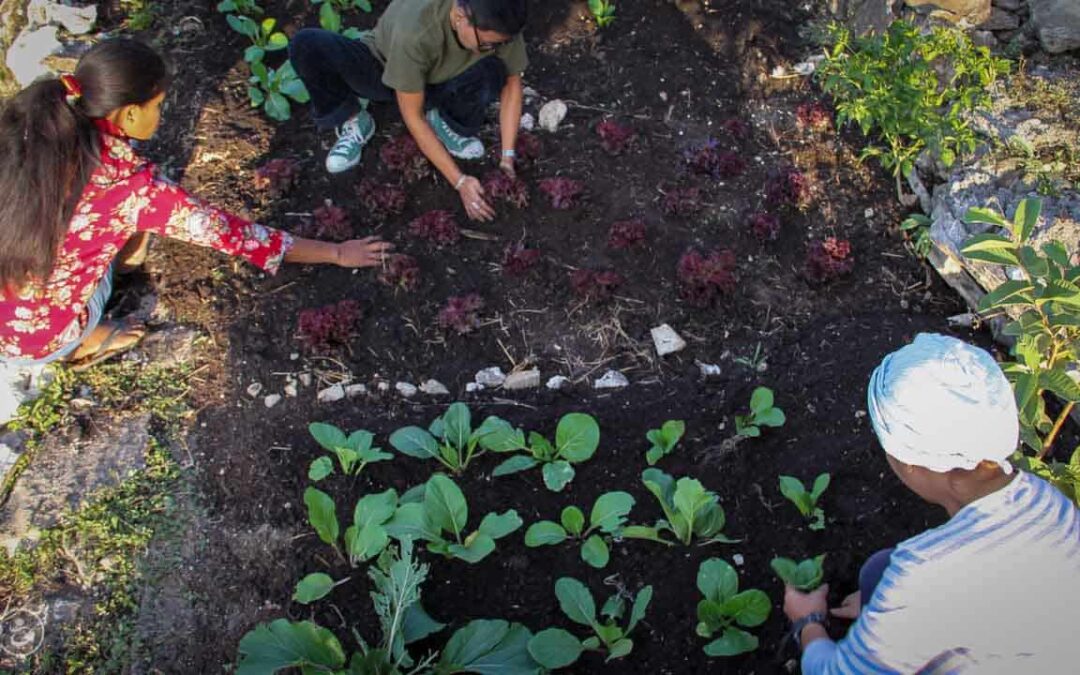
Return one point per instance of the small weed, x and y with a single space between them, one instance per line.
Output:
401 272
324 328
626 234
438 227
461 313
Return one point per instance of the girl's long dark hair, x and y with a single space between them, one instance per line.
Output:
49 148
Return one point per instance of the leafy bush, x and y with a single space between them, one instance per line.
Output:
1042 298
323 328
807 502
564 193
461 313
664 440
401 272
353 452
915 91
724 609
513 191
449 439
595 285
827 260
556 648
437 226
577 437
762 414
615 138
805 575
272 89
690 510
702 279
765 226
382 200
787 186
1065 476
626 234
517 260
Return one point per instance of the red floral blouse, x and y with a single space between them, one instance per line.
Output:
124 196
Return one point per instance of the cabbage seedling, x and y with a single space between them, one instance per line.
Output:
556 648
690 510
576 439
664 440
449 439
805 575
353 452
438 514
762 414
724 609
806 502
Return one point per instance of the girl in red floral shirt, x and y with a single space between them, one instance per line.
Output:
75 201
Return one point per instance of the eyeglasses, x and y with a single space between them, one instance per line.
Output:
482 47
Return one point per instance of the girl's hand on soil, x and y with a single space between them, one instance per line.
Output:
366 252
507 167
849 608
798 604
472 198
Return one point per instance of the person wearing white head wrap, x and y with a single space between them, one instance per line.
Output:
954 598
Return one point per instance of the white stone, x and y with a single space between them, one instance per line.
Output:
738 559
434 388
305 379
253 389
272 400
75 20
490 377
612 379
18 385
290 389
331 394
965 320
552 114
383 387
666 340
526 379
354 390
530 93
528 122
473 387
294 356
868 214
405 389
28 50
558 382
708 369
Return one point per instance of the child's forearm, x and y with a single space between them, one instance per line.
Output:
313 252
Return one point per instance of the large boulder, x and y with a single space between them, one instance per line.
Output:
1057 23
964 13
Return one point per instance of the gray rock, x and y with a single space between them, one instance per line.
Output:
75 20
708 369
29 50
254 388
1001 20
434 388
558 383
612 379
406 389
19 385
354 390
290 388
1057 23
305 379
490 377
272 400
331 394
983 38
528 122
527 379
964 13
666 340
1010 5
383 387
169 347
473 387
65 472
872 16
551 115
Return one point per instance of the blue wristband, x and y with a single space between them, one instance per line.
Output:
509 153
797 626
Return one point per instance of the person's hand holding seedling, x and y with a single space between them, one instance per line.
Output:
472 198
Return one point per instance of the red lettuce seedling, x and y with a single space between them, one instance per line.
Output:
277 176
518 260
498 185
709 160
326 327
813 116
735 127
787 186
828 259
528 147
329 223
765 226
626 234
402 154
615 137
438 227
703 278
460 313
681 202
595 285
381 200
563 192
401 272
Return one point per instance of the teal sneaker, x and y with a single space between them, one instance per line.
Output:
352 136
462 147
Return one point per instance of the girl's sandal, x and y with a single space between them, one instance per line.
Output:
105 350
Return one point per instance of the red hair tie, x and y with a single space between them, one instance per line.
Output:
72 87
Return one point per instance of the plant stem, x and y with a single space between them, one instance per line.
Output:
1057 428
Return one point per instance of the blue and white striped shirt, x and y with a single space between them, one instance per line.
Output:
994 590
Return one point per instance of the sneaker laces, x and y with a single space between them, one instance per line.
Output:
350 131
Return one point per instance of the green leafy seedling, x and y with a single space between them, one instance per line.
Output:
315 587
439 515
272 89
576 438
245 7
353 452
557 648
608 516
807 502
916 228
330 14
264 38
603 12
762 414
664 440
724 609
322 514
690 511
805 575
450 439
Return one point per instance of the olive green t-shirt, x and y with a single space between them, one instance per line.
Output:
414 41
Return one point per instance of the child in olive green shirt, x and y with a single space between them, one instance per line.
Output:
443 61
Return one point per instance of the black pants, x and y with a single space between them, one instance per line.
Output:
337 71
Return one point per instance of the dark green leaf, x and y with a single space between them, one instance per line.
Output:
488 647
610 510
313 587
458 425
1059 382
555 648
573 520
513 465
322 515
641 604
595 552
477 547
415 442
1025 218
418 624
283 644
445 504
320 468
575 601
734 641
544 533
1012 292
577 437
557 475
621 648
328 436
717 580
498 526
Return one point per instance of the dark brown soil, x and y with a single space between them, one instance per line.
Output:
674 71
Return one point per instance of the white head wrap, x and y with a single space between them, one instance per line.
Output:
943 404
